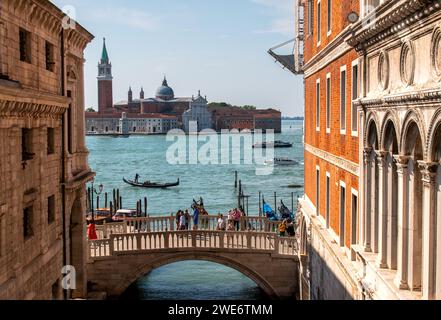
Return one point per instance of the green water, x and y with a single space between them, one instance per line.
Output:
114 158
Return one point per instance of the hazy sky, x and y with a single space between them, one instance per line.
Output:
217 46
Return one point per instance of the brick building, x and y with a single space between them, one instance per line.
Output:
229 118
43 156
330 206
370 218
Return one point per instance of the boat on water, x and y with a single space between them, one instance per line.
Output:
275 144
151 185
282 162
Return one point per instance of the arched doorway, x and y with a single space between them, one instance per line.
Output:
390 197
77 235
413 148
194 280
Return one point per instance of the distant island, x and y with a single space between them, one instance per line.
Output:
293 118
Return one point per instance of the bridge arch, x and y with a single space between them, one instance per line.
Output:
167 259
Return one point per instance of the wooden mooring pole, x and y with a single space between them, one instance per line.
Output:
292 202
275 201
145 207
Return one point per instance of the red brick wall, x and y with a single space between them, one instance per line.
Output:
105 95
340 11
344 146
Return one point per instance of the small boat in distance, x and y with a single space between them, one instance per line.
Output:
275 144
151 185
282 162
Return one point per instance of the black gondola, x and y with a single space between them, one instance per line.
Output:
151 185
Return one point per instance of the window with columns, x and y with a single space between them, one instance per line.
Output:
310 17
343 100
328 103
319 22
317 105
317 190
402 208
328 200
342 214
329 18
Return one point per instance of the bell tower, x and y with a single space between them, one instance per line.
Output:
105 82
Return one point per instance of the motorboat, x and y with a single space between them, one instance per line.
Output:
282 162
275 144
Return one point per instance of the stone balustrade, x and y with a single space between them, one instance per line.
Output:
169 223
195 240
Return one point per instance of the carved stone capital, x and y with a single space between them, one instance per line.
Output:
381 155
402 162
367 155
428 170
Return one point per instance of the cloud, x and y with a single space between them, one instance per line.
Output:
281 12
133 18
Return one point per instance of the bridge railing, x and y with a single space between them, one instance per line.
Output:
192 240
169 223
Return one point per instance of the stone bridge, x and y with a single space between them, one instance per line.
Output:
129 250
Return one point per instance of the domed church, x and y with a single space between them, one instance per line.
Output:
164 102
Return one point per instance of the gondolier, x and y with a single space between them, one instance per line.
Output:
149 184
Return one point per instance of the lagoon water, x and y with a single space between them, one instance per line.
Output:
115 158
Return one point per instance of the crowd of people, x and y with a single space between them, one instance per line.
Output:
229 222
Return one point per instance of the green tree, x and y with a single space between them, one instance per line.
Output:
90 110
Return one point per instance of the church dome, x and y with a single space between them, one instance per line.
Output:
164 92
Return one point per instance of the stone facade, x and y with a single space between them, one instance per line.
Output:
198 113
42 151
389 168
401 221
123 123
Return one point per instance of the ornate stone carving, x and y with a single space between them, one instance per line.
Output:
407 12
407 64
402 162
383 70
381 157
435 52
367 155
412 98
428 170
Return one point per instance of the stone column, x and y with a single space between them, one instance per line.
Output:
403 221
438 233
382 208
428 171
367 185
2 41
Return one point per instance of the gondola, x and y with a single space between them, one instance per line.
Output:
151 185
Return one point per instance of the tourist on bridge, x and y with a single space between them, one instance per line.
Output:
182 222
221 225
282 228
195 218
178 219
187 220
290 229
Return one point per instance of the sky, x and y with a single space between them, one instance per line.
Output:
216 46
